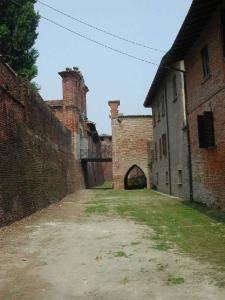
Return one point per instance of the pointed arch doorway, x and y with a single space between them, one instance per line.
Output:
135 179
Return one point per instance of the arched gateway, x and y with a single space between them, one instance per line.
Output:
135 179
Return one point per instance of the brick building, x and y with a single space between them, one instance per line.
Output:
106 152
205 80
200 43
166 97
131 147
72 112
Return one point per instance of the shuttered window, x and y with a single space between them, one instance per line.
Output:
206 130
205 61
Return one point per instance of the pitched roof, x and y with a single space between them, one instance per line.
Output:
197 18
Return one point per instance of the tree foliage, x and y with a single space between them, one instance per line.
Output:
18 24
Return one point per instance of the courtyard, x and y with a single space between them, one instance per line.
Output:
105 244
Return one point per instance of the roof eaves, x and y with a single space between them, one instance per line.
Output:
197 17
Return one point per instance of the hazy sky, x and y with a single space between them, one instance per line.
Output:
107 74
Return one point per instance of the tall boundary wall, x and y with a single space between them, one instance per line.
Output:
37 166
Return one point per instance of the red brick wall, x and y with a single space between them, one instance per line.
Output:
36 163
207 95
106 152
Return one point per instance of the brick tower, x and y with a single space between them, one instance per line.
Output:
72 110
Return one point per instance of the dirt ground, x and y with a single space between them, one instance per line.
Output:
63 253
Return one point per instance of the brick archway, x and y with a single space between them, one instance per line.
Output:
135 178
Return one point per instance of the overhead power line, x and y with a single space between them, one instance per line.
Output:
100 29
99 43
104 45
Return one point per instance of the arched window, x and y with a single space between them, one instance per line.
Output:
135 179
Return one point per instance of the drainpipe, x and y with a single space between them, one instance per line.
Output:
188 139
168 142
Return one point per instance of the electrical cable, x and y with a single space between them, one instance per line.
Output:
100 29
106 46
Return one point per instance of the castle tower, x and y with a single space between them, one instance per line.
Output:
74 105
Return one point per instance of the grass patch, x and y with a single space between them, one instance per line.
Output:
104 185
120 254
99 209
125 280
162 247
175 280
193 228
161 267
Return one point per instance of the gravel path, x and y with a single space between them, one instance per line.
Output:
61 253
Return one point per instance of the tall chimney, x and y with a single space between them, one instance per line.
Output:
74 89
114 104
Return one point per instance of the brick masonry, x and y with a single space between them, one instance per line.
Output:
106 152
72 112
37 166
207 95
131 145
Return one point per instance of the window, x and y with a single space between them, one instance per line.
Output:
160 148
205 61
206 130
167 177
157 178
153 117
174 82
164 144
158 108
163 105
156 154
180 177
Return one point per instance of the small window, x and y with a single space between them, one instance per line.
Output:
206 130
167 177
205 61
180 177
164 144
160 148
174 82
156 154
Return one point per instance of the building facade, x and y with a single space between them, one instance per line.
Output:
170 160
200 43
205 77
131 147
